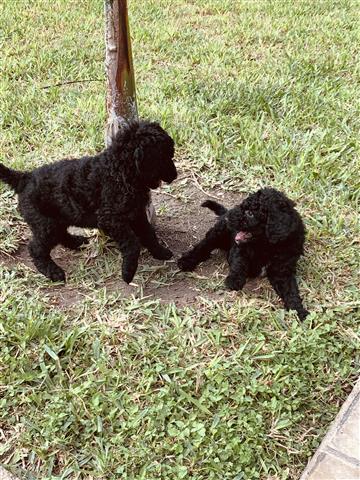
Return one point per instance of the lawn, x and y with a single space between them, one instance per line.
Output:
96 383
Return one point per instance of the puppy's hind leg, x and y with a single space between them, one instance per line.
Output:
40 246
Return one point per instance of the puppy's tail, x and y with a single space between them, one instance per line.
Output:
14 178
215 207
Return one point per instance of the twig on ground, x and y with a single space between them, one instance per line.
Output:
168 193
200 188
72 81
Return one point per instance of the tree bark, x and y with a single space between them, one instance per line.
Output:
121 94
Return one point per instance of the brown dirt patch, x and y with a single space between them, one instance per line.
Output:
62 296
180 223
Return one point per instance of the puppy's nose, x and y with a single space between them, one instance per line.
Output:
169 176
169 180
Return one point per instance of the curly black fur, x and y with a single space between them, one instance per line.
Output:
107 191
265 230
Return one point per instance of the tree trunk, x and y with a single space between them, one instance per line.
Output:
121 95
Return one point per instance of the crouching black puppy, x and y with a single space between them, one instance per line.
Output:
107 191
263 231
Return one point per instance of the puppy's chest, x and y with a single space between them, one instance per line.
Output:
259 252
87 220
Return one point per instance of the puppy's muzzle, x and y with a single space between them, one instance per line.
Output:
242 237
169 176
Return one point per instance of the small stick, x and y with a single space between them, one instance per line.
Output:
200 188
73 81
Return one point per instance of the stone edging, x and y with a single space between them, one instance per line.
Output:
333 455
5 475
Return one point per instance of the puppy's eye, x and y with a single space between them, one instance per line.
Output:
249 214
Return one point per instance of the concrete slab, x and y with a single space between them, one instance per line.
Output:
338 457
329 467
5 475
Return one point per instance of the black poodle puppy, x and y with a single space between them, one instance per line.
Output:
263 231
109 191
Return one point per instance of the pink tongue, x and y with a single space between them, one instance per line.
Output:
241 236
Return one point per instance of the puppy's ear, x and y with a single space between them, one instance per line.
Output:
281 221
138 158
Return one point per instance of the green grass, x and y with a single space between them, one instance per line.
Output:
254 93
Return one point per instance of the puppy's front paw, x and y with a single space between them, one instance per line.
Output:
234 283
162 253
186 263
128 269
128 274
56 274
303 313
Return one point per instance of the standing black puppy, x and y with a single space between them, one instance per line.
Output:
109 191
263 231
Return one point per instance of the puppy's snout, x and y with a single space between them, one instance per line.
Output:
169 180
170 175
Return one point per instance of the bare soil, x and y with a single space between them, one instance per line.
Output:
180 223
